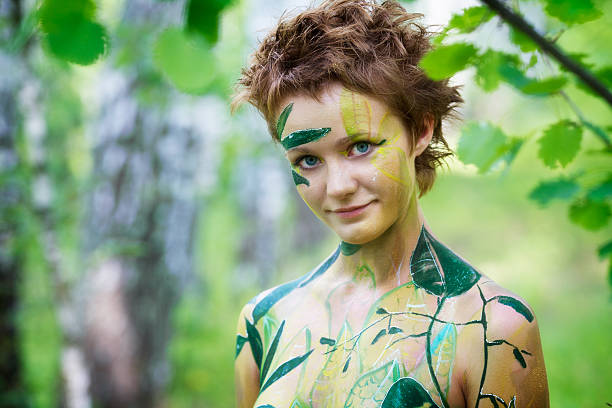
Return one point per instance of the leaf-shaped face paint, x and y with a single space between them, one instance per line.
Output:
299 179
282 119
438 270
390 128
356 113
407 393
300 137
517 305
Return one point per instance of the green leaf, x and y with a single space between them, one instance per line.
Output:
446 60
381 333
605 250
604 74
84 43
560 143
519 357
394 330
349 249
424 269
407 393
240 340
203 17
589 214
522 40
186 62
381 310
284 369
372 386
346 365
545 86
470 19
489 68
480 144
601 192
255 342
561 188
573 11
517 305
271 351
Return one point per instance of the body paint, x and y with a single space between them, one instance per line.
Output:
356 113
349 249
299 179
300 137
282 119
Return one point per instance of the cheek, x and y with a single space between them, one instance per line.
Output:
393 164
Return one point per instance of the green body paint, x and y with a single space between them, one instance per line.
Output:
435 269
282 119
349 249
300 137
299 179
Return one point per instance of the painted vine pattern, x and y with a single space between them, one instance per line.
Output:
444 275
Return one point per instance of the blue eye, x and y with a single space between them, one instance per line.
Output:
360 148
307 162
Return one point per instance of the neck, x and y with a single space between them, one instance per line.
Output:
386 259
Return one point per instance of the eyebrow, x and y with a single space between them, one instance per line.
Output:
300 137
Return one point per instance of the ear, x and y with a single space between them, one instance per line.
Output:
424 138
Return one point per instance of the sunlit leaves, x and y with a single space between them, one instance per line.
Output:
544 87
187 62
481 144
573 11
602 191
446 60
470 19
560 143
589 214
71 33
522 40
561 188
488 68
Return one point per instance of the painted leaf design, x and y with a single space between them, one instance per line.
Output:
447 276
381 310
370 388
300 137
356 113
459 276
407 393
240 340
346 365
265 406
394 330
299 179
284 369
381 333
265 304
517 305
443 348
255 342
271 351
349 249
389 129
282 119
424 269
519 357
333 381
327 341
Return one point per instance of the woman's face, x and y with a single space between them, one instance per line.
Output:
351 161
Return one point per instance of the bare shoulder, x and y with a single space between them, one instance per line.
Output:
503 361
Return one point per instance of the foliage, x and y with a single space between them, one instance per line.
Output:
483 144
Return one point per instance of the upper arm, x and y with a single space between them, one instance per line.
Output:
510 365
246 372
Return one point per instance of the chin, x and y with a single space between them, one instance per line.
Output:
359 235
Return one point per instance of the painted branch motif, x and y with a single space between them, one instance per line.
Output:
375 371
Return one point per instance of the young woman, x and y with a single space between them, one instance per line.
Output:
393 317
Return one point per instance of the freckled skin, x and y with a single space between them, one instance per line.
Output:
392 317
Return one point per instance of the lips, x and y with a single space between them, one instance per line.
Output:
350 212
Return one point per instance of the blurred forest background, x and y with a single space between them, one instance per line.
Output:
137 215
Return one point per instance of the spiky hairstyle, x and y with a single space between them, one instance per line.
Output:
370 48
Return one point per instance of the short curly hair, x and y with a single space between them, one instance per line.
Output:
370 48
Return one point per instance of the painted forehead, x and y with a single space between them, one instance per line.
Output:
299 137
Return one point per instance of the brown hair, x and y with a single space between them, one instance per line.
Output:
370 48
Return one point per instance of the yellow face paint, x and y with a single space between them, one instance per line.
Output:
356 113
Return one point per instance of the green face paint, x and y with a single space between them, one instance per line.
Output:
299 179
300 137
282 119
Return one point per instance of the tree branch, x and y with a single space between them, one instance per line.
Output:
519 23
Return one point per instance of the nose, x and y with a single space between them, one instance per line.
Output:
341 183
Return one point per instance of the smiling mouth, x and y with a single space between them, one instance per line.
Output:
349 212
